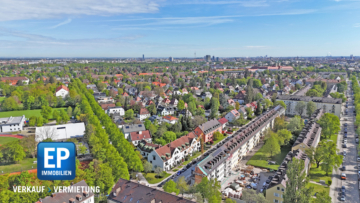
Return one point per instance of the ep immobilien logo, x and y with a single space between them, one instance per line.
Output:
56 160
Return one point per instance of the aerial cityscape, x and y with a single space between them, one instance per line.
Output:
154 101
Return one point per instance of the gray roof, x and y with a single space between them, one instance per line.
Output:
211 124
238 139
308 99
133 128
12 120
64 197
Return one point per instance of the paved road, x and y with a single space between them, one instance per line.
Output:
351 184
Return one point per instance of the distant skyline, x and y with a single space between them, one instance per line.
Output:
163 28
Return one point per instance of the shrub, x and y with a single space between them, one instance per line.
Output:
329 182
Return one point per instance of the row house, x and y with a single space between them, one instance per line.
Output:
220 163
145 148
174 153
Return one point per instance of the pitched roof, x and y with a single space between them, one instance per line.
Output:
137 136
170 118
126 191
62 87
211 124
143 111
181 142
107 106
223 120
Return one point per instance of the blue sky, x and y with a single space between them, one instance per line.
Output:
163 28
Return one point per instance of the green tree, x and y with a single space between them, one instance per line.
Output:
40 121
32 121
330 125
322 197
170 187
209 190
296 124
310 108
272 146
249 112
251 196
281 103
9 104
64 116
316 155
147 124
46 112
82 148
181 105
55 114
147 167
129 114
279 123
214 107
16 151
182 185
237 105
258 110
69 111
296 190
217 136
169 136
285 135
300 107
331 158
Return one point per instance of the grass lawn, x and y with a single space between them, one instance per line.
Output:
15 167
260 159
317 189
217 141
195 155
175 169
4 140
27 113
150 177
316 174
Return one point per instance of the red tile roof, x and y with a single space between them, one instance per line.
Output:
137 136
170 118
143 111
223 120
106 106
62 87
169 148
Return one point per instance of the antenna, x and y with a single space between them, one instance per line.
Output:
195 54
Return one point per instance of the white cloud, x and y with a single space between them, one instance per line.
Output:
45 9
62 23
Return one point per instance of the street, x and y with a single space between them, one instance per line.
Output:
350 161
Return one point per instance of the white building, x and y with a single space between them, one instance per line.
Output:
117 109
329 105
232 115
143 114
174 153
170 119
137 137
61 91
12 124
60 132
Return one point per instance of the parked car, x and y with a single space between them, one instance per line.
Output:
358 158
357 140
345 124
343 176
343 189
343 168
342 198
344 145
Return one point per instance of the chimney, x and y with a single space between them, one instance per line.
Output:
140 132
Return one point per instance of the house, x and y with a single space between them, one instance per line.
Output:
136 137
97 95
133 192
205 95
174 102
240 97
174 153
60 132
146 147
143 114
12 124
184 91
83 195
231 102
207 113
186 113
105 107
14 80
206 130
242 110
107 100
170 119
232 115
62 91
148 94
127 129
223 122
116 109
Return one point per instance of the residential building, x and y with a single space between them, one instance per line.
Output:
127 129
310 134
85 195
60 132
136 137
62 91
232 115
143 114
105 107
14 80
242 110
276 189
102 100
330 105
133 192
12 124
116 109
222 161
328 81
146 147
170 119
205 95
207 130
223 122
174 153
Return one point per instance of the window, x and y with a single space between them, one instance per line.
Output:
276 194
282 189
154 158
276 201
278 188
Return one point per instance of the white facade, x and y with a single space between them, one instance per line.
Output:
61 93
60 132
328 108
143 116
12 124
113 110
